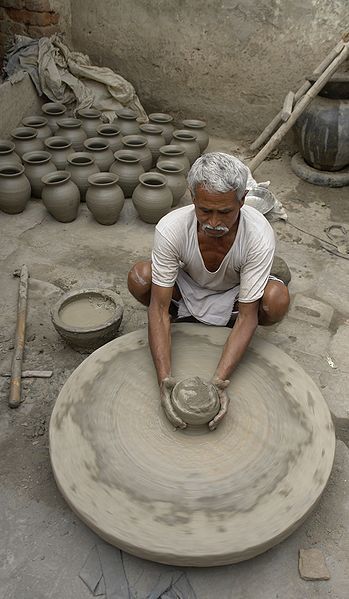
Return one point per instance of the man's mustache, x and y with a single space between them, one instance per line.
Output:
220 228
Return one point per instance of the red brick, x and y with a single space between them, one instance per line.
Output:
37 5
37 32
12 3
42 19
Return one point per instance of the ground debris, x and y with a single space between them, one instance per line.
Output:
312 565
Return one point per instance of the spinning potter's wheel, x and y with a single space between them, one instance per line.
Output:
191 497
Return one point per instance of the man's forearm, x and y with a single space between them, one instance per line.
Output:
236 345
159 334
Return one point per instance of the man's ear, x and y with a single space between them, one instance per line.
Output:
242 201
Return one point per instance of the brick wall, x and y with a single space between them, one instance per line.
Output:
35 18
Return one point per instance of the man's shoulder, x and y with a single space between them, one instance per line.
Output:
176 221
256 223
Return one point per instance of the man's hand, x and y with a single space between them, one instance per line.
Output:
224 399
166 388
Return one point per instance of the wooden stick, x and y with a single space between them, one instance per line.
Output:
32 374
287 107
15 385
299 108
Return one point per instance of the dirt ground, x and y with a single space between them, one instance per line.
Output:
44 545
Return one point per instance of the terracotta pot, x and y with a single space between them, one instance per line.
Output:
105 198
14 189
127 122
59 148
26 140
152 198
175 179
155 139
53 112
165 122
40 124
187 140
71 129
61 196
81 166
7 153
199 129
91 120
128 166
175 154
101 152
112 135
37 164
139 146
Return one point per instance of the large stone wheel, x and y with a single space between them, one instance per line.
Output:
191 497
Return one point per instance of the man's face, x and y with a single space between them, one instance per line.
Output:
216 212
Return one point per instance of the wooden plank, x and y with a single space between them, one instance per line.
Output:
287 107
15 384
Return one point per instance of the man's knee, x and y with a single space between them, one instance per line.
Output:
274 303
139 278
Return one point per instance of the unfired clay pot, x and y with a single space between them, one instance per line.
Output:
91 120
187 140
71 129
53 112
199 129
165 122
112 135
175 154
7 153
26 140
100 150
14 189
152 198
128 166
37 164
40 124
139 145
81 165
59 148
61 196
127 121
105 198
175 179
155 139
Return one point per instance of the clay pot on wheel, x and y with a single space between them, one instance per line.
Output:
37 164
187 140
165 122
105 198
71 129
59 148
152 198
101 152
127 165
7 153
175 154
61 196
175 179
199 130
26 140
127 122
14 189
40 124
139 146
81 166
91 120
112 135
53 112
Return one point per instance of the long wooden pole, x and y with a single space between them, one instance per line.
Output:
16 376
299 108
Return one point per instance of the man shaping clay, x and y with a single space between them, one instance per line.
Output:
211 262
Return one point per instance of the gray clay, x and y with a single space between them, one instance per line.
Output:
195 401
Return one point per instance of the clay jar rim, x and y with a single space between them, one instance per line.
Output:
108 130
22 133
103 179
57 143
6 146
89 113
161 117
195 123
136 141
34 121
36 157
126 113
184 135
56 178
53 108
152 129
126 156
69 123
80 159
169 168
71 295
172 150
14 170
96 144
147 178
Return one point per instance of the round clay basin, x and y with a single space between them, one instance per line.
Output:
88 318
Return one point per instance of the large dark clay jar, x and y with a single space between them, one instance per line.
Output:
128 167
199 130
61 196
14 189
81 166
139 146
7 153
175 179
101 152
37 164
112 135
187 140
71 129
105 198
152 198
59 148
40 124
26 140
127 121
91 120
53 112
165 122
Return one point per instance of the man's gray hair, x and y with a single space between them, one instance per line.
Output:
219 172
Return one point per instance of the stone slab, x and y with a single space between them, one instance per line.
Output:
311 311
312 565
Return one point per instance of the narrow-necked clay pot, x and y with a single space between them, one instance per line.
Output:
112 135
165 122
61 196
37 164
105 197
128 166
175 154
187 140
199 129
139 145
7 153
152 198
14 188
71 129
91 120
26 140
127 122
155 139
81 165
175 177
100 150
40 124
59 149
53 112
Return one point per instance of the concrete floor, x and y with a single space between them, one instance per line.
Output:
44 545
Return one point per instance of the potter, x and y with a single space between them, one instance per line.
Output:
211 263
